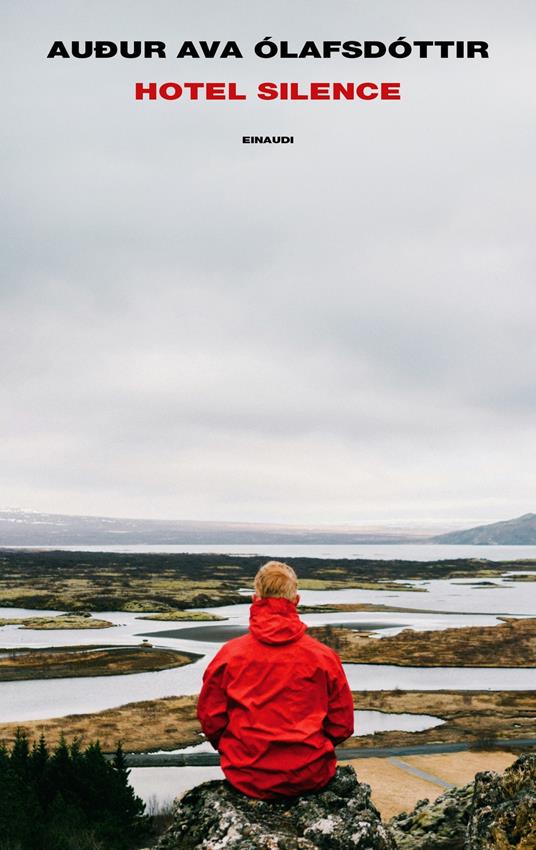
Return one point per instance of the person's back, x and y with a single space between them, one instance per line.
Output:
275 702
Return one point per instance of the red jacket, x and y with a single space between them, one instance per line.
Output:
274 703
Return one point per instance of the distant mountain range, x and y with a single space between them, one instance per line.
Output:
520 531
29 528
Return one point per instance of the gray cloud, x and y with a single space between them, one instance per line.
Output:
338 331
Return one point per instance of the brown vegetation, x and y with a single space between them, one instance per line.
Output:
143 582
358 584
66 662
169 723
165 723
395 790
511 644
60 621
172 616
369 607
477 717
523 577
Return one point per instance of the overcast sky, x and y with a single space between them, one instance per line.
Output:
338 331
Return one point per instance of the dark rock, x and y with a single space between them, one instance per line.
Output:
214 816
503 812
440 825
495 812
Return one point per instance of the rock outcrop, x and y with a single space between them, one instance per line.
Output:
214 816
503 810
495 812
437 825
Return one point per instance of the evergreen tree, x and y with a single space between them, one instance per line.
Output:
120 762
39 757
21 816
20 754
72 799
127 806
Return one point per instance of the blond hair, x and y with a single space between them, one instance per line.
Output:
276 579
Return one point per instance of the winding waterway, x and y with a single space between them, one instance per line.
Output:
157 786
464 602
461 603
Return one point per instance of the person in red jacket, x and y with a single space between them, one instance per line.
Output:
275 702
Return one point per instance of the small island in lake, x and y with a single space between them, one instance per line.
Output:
511 644
75 661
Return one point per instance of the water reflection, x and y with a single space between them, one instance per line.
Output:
160 785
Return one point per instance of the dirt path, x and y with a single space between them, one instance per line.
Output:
416 771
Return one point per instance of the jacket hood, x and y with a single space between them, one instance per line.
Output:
274 620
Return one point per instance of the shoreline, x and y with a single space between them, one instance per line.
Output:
220 634
507 644
157 582
170 723
90 662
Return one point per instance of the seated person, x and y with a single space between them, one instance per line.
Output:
275 702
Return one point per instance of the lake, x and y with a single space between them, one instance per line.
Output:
461 602
157 786
370 551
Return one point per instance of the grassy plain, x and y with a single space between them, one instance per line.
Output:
165 723
106 581
526 577
477 717
66 662
62 621
347 607
357 584
169 723
395 790
460 768
171 616
511 644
